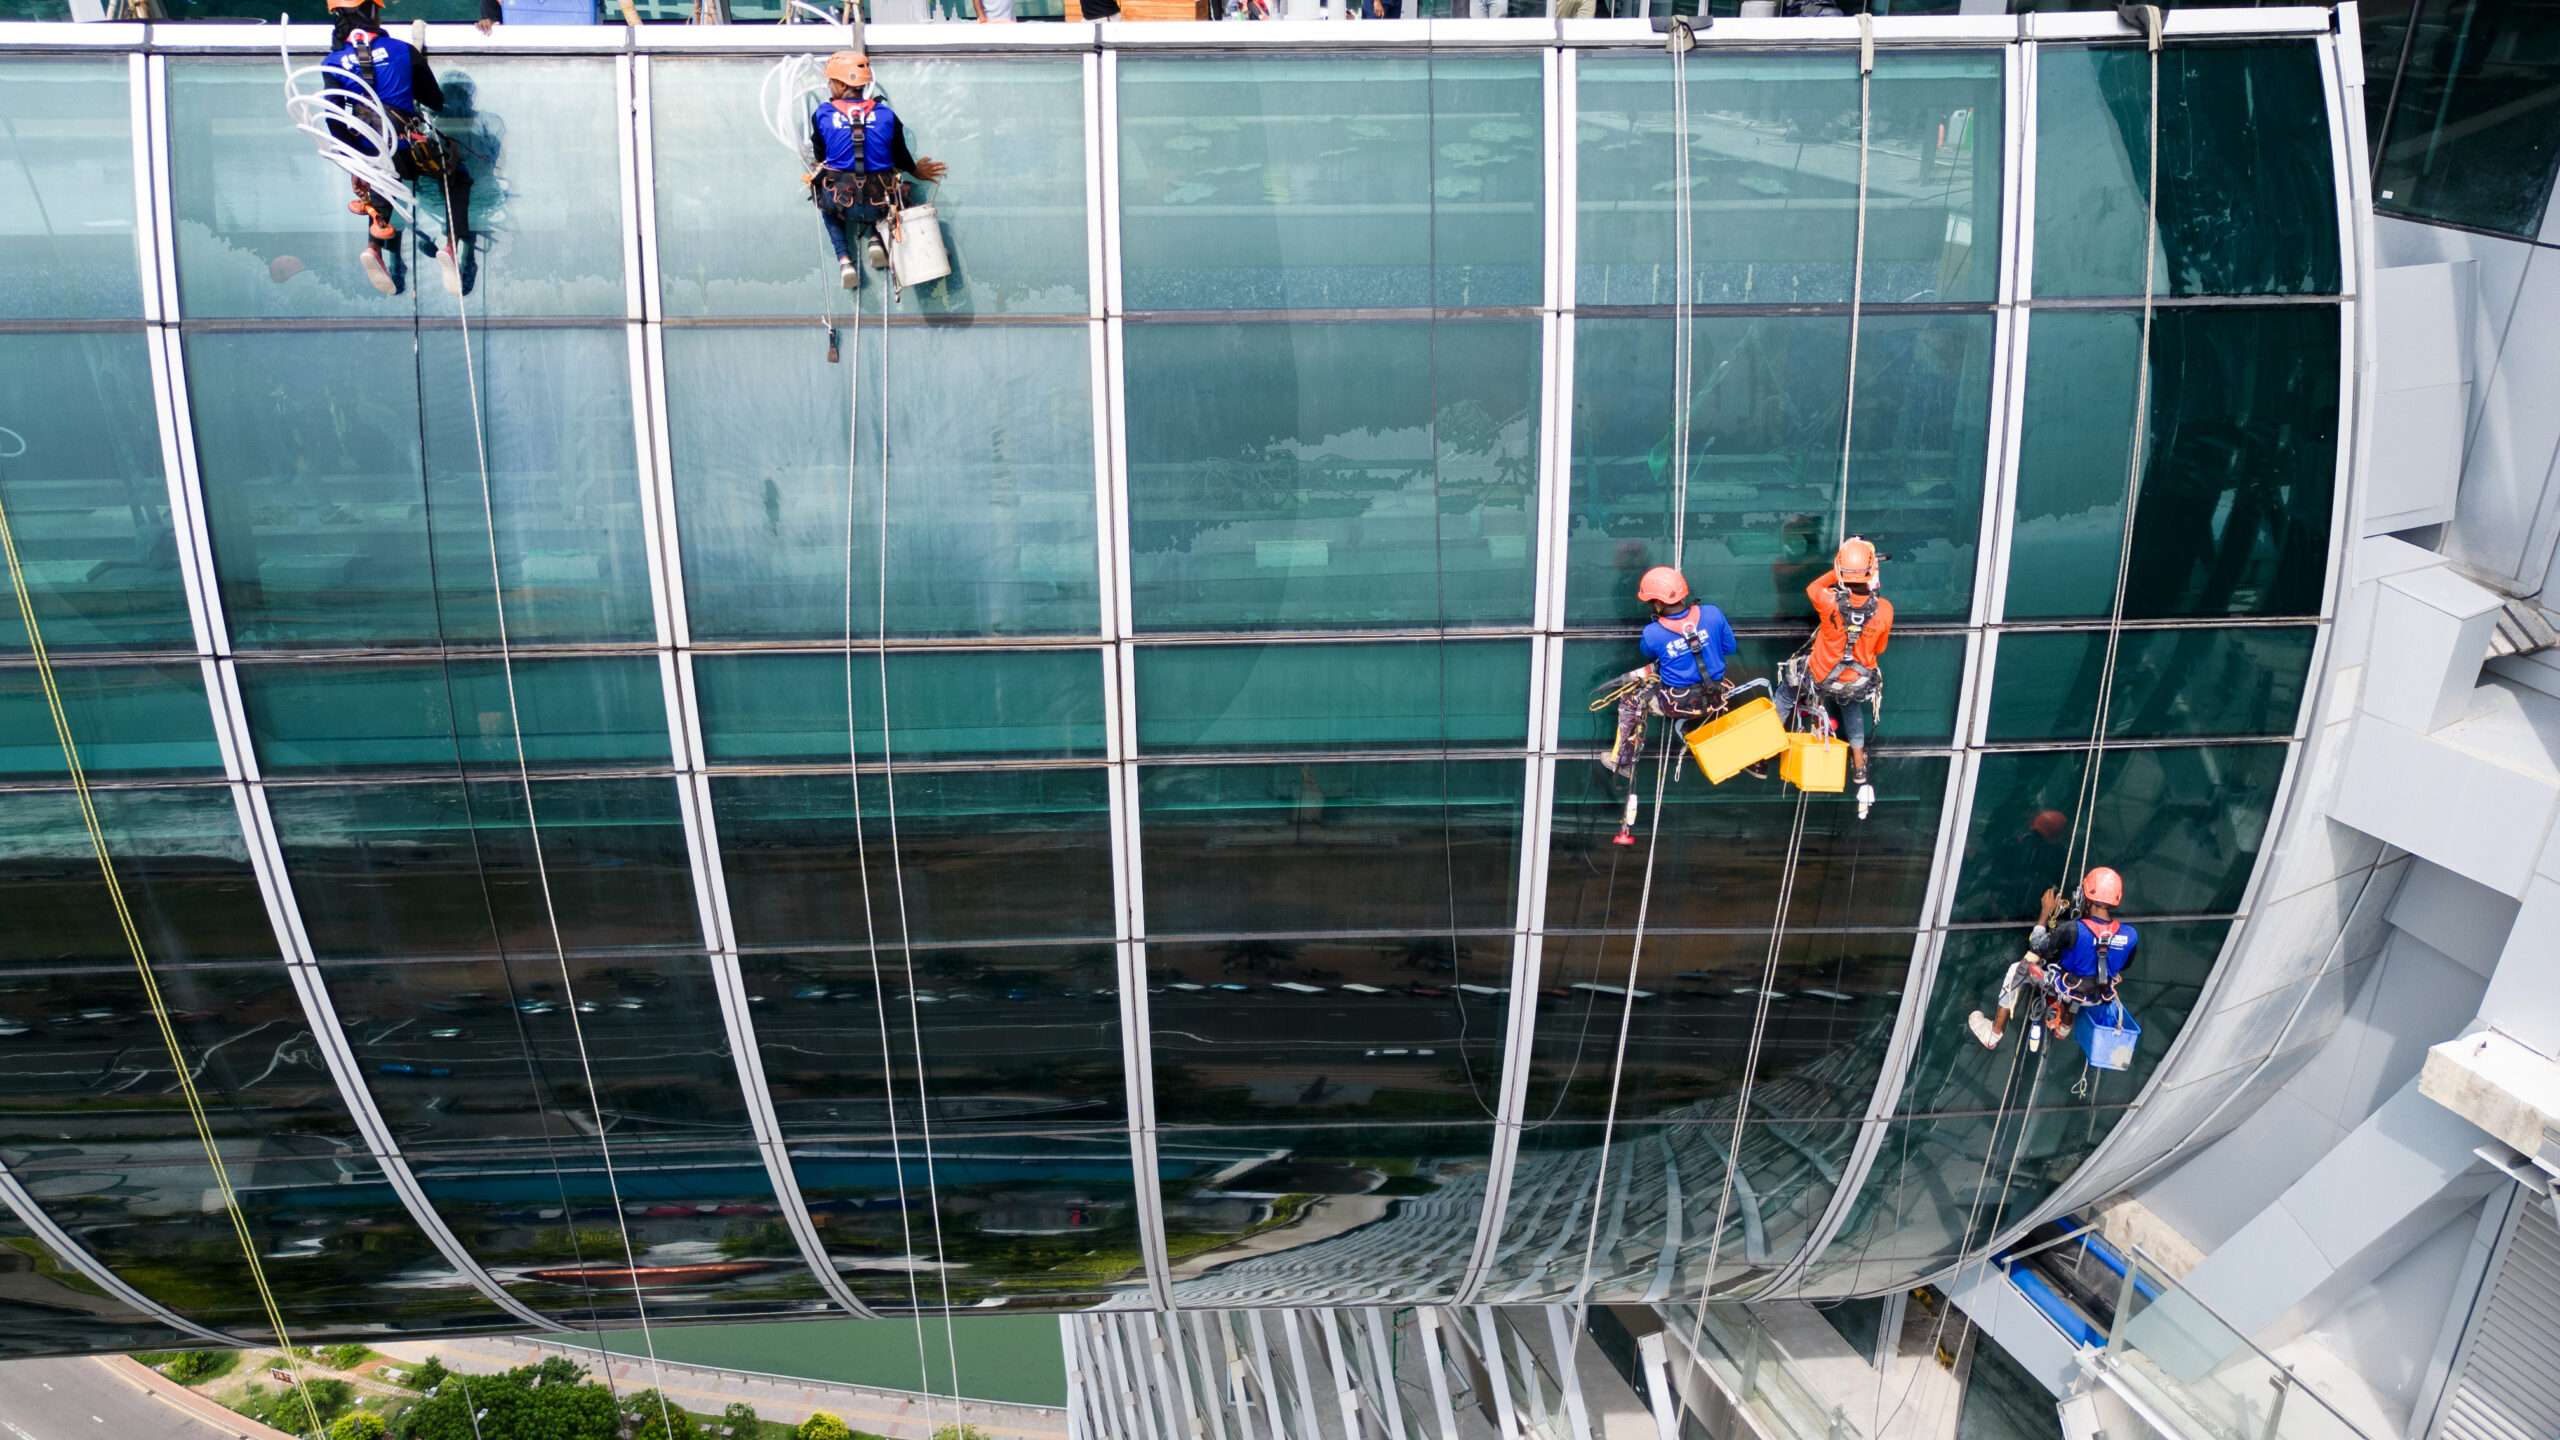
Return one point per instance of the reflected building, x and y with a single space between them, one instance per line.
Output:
1086 805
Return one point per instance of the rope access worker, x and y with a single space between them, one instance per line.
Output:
1686 644
2076 954
859 149
399 76
1854 623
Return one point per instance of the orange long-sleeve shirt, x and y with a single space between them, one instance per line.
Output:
1833 637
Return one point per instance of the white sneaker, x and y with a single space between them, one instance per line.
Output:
1980 1025
877 254
1866 800
376 272
449 265
851 277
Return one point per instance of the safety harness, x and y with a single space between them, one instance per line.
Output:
1849 682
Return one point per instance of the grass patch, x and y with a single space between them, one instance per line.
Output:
191 1367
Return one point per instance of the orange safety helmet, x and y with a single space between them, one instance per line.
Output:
2102 886
2050 824
849 68
349 4
1663 585
1855 562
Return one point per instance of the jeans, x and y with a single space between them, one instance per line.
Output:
1849 720
845 208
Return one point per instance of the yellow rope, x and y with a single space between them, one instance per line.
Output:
142 965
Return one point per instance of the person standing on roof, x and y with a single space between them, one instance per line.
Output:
398 76
2078 953
1853 624
859 149
1686 645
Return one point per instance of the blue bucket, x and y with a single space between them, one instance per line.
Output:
2107 1034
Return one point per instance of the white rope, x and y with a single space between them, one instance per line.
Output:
1683 307
326 114
541 867
898 879
1858 264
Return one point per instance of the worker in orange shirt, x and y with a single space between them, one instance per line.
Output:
1842 675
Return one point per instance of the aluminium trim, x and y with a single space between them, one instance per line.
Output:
1097 187
72 1253
56 35
633 178
142 140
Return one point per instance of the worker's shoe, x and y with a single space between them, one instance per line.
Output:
377 271
1980 1025
1866 799
846 272
877 254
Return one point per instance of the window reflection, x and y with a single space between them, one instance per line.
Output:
1346 474
51 1310
2168 683
66 179
1775 171
1331 846
1329 1031
1330 182
1350 1215
2184 824
1051 1221
1012 210
991 528
790 708
178 854
80 470
342 717
1014 1037
985 855
2247 196
2473 134
447 868
127 720
1243 698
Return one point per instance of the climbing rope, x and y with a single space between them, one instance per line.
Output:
533 828
184 1073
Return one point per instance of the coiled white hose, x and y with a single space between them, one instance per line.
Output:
331 114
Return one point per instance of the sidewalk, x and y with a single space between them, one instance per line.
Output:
899 1414
178 1397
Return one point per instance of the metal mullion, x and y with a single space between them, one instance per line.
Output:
1130 1385
1176 1359
2021 113
1497 1377
159 210
2000 502
140 137
1146 1332
1428 1332
1345 1392
1259 1362
629 88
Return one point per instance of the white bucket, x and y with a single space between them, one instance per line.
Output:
916 255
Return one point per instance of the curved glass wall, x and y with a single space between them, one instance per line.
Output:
1200 833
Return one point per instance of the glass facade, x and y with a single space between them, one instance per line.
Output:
1125 714
2462 106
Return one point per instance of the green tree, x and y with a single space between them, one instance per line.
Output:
427 1374
360 1425
192 1367
741 1421
514 1406
823 1426
654 1417
345 1357
289 1410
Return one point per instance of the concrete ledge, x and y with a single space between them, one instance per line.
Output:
2477 796
2502 1086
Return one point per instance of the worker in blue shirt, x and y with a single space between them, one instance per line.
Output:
1686 646
397 74
859 149
2074 958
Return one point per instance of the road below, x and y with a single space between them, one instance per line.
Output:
85 1399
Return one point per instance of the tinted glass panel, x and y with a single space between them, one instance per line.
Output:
1012 208
704 1229
126 720
1927 672
2238 472
1765 478
2182 824
1830 1016
991 525
1329 1031
790 709
1848 871
1423 845
53 1308
1241 698
2247 195
1774 178
1375 1210
178 855
261 219
985 855
1288 182
341 1254
66 190
87 1070
1016 1037
2476 129
1045 1219
324 533
446 868
88 500
2168 683
484 1052
1304 476
339 718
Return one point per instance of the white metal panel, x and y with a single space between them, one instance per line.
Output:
2505 1384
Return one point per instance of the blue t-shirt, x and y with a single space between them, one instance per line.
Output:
1694 650
866 138
2080 952
393 62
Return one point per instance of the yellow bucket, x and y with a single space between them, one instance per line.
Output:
1741 737
1815 764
